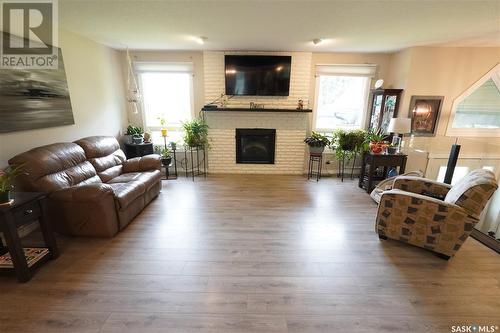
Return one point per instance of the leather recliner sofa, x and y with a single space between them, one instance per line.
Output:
93 190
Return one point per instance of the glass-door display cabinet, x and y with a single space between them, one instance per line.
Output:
383 106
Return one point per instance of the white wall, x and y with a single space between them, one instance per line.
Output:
443 71
96 87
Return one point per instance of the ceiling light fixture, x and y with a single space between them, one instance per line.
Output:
317 41
201 40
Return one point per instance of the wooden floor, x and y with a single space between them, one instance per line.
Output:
254 254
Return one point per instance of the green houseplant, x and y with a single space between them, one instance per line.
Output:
131 131
7 177
166 156
317 142
376 141
347 144
196 133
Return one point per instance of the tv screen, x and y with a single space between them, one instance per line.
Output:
257 75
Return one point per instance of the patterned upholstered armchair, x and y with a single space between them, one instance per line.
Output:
433 215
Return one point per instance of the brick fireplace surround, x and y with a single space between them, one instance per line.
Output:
290 128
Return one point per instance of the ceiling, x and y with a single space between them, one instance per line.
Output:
356 26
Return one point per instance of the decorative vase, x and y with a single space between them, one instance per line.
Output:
4 197
378 147
316 149
166 161
392 150
127 138
137 139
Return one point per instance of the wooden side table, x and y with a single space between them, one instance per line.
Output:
138 150
26 208
374 168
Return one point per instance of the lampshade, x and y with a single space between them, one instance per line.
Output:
399 125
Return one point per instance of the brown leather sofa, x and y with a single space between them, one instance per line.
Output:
93 189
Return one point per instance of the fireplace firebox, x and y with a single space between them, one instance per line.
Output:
255 145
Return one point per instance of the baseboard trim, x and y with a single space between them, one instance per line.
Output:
486 240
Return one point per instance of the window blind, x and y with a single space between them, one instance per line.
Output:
172 67
366 70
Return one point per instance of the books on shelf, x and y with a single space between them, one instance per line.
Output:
32 254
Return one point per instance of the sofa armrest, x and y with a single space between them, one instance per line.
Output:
84 193
424 186
140 164
423 221
87 210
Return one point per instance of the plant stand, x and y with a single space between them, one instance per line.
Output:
168 175
195 169
318 159
341 170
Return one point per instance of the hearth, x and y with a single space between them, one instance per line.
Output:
255 145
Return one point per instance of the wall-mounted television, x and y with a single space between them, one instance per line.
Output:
250 75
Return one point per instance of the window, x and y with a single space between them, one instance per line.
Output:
168 96
341 96
476 112
167 93
460 172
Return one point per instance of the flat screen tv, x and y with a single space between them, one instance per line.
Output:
257 75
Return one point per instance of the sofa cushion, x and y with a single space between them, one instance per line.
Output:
148 178
126 193
54 167
105 155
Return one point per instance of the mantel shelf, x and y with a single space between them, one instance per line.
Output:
255 110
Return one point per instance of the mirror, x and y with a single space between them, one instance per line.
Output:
476 112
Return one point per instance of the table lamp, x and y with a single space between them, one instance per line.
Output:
399 126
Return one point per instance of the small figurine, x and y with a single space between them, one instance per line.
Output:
300 105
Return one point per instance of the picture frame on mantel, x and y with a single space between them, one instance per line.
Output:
424 114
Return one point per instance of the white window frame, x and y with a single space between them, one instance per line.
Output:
163 67
365 70
473 132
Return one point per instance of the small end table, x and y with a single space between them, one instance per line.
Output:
26 208
138 150
375 167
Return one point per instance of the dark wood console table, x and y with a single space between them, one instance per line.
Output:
138 150
374 168
26 208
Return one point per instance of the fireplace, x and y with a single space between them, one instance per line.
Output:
255 145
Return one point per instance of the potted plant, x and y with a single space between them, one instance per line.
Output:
317 142
163 123
7 177
347 143
196 133
131 131
377 141
137 139
166 157
173 145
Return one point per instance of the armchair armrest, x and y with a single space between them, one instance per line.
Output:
423 221
424 186
140 164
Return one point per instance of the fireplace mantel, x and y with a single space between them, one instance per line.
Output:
205 109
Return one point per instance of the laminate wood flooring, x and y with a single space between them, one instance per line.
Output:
247 253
